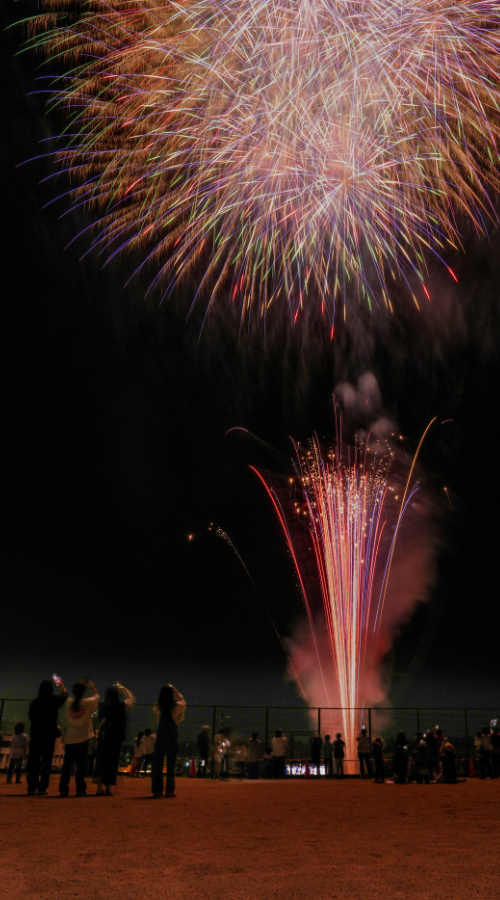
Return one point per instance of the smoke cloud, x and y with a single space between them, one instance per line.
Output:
411 574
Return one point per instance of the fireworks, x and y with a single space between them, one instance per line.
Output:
303 149
353 512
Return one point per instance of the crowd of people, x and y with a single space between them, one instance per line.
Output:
91 751
94 752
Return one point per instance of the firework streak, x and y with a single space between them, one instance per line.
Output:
307 149
354 528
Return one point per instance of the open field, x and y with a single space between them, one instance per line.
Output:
225 841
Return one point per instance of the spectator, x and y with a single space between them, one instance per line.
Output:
42 714
18 752
202 745
448 756
482 742
222 749
170 708
364 753
112 733
279 746
254 753
422 763
316 744
377 748
79 710
149 749
327 756
268 763
400 765
138 754
338 755
495 752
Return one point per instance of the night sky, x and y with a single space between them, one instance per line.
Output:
115 420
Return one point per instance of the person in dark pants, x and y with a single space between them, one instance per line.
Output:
338 754
364 753
202 745
279 745
149 748
254 753
112 733
42 713
170 709
79 729
316 743
327 756
378 759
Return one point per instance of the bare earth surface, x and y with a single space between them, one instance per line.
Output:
293 840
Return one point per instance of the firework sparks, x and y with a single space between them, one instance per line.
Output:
297 149
353 512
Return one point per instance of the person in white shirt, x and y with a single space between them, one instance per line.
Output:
79 711
149 749
279 745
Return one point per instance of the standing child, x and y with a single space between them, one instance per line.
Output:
18 752
149 749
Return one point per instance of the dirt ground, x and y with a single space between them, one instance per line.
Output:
225 841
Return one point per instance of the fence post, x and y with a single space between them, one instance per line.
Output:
466 736
370 729
418 721
212 768
319 719
267 726
1 712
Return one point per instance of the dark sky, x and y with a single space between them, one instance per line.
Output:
115 428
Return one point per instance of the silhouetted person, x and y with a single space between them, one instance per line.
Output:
421 756
400 765
42 713
254 753
316 744
170 709
364 753
448 758
338 754
112 733
495 752
18 753
327 756
378 759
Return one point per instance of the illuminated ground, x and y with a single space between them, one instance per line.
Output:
286 840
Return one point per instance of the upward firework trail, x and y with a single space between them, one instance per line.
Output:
294 148
353 523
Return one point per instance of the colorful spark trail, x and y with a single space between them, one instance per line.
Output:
312 150
354 512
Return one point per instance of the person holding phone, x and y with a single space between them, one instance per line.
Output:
170 709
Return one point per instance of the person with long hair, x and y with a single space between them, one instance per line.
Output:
112 733
79 711
170 709
42 713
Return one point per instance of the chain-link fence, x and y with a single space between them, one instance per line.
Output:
297 723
